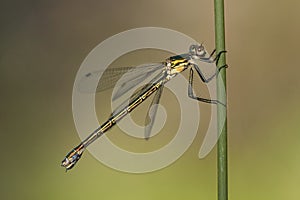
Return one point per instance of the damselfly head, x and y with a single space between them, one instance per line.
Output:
197 51
71 158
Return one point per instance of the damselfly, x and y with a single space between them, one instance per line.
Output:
165 72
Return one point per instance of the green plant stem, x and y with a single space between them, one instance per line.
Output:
221 95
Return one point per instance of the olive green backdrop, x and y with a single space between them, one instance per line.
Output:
42 46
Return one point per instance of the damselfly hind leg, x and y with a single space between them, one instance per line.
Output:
151 115
191 93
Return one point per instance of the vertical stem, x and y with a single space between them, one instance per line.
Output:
222 113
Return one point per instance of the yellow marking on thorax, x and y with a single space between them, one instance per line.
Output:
178 65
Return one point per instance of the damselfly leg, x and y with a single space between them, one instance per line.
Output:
194 50
216 59
190 86
152 110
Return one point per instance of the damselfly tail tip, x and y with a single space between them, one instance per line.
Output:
72 158
67 164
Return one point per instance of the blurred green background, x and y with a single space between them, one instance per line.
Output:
42 46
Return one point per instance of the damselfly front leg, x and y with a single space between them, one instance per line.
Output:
214 60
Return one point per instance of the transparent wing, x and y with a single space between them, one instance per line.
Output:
131 76
131 99
138 93
151 114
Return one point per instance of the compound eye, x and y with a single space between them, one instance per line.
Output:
193 49
200 48
201 51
